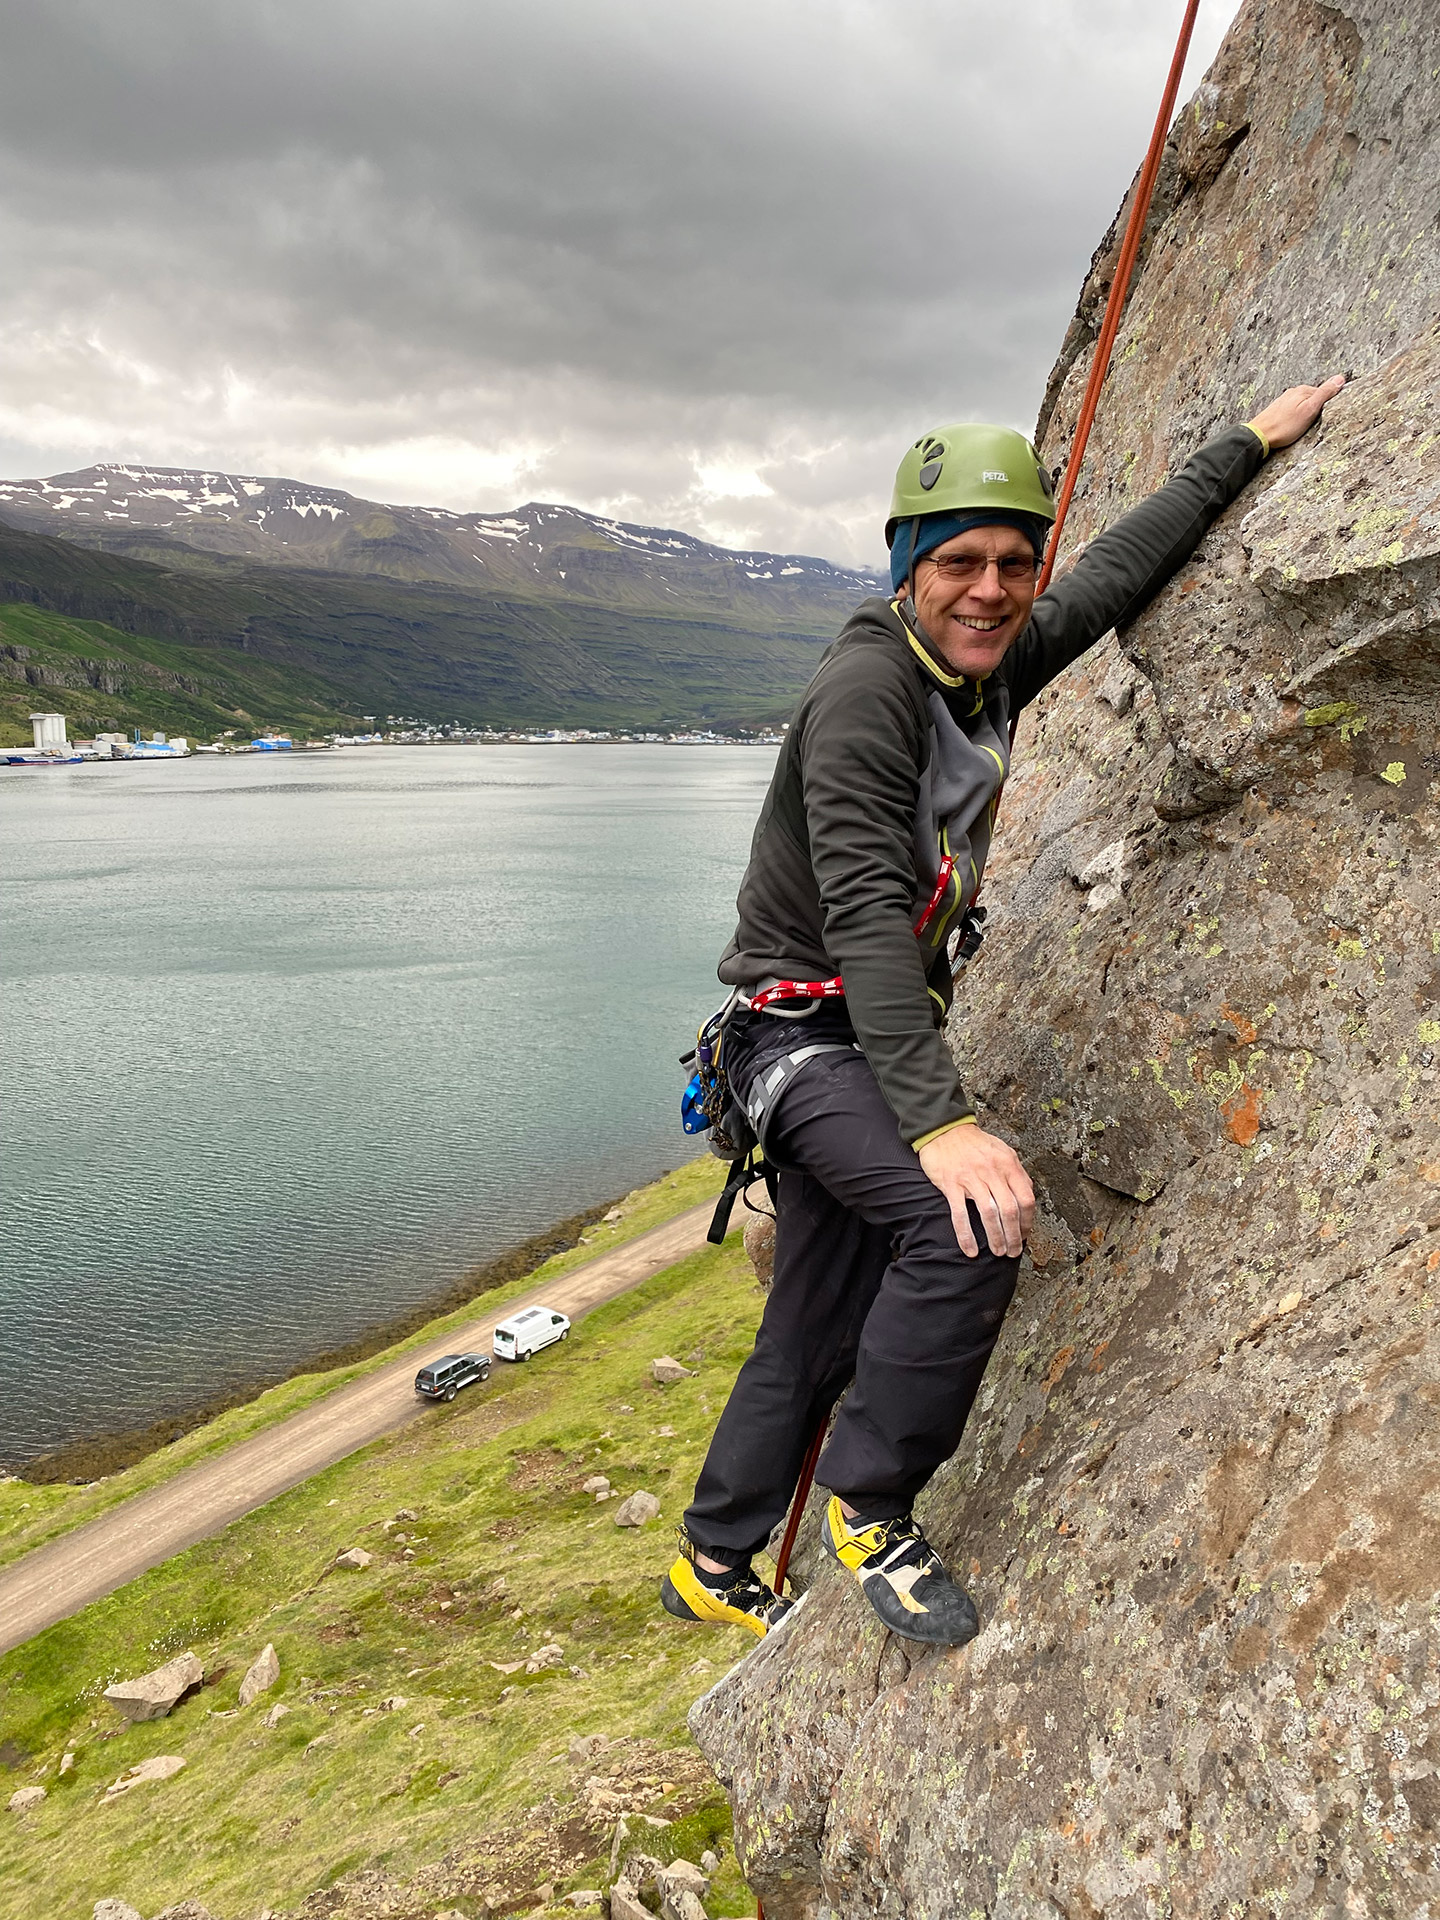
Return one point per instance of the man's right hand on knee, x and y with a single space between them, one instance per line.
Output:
968 1164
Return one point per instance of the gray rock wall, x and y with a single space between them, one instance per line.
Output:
1199 1502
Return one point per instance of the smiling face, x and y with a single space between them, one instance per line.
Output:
974 596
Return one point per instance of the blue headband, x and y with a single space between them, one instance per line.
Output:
913 542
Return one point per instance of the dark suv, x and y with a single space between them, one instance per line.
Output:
443 1379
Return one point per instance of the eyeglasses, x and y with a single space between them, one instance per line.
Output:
964 569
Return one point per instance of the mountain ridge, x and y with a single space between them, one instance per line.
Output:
541 549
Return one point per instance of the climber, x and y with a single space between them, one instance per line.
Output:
900 1220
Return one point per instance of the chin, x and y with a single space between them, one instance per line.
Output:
976 661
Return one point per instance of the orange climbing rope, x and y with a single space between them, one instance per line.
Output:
1119 289
1099 368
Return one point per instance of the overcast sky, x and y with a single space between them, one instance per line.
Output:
701 266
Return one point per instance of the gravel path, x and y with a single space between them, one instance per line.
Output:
59 1578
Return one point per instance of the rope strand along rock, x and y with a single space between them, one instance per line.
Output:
1200 1499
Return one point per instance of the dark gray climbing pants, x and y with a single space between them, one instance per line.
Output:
870 1285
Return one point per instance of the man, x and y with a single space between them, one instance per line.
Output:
900 1219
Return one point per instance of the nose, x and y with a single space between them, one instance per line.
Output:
990 586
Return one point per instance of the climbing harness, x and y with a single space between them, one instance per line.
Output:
1099 367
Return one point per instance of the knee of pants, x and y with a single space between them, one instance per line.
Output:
941 1311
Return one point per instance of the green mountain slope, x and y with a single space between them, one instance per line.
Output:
108 681
375 644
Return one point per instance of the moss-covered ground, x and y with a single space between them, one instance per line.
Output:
405 1750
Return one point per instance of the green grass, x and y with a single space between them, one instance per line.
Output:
30 1515
262 1817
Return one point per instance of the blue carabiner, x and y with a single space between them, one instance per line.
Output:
693 1117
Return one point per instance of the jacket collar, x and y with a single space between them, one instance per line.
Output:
924 651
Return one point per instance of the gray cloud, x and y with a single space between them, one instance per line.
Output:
710 267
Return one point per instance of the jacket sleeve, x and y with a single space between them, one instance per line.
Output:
861 753
1123 569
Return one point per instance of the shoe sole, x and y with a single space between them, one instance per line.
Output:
687 1598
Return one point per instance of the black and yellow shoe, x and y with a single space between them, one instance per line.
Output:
738 1598
903 1577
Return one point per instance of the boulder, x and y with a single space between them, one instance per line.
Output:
260 1676
154 1694
547 1656
682 1873
597 1483
276 1714
67 1763
24 1798
353 1559
113 1909
1198 1501
681 1886
163 1766
680 1904
665 1371
637 1511
186 1910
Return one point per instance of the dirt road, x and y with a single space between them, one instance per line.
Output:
58 1579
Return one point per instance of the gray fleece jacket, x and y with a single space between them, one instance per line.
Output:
892 761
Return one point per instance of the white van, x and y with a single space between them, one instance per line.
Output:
525 1333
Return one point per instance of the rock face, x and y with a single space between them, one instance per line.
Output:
154 1694
1199 1501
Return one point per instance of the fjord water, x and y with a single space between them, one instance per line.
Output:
289 1043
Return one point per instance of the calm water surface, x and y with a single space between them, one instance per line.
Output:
288 1044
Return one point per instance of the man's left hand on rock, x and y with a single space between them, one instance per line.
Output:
971 1166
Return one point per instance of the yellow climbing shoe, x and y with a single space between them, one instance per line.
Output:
902 1576
739 1598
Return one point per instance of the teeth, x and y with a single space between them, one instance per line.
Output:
983 626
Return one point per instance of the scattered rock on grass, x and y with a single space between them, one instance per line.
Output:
263 1672
67 1761
276 1714
666 1371
353 1559
597 1483
585 1897
394 1703
186 1910
709 1861
637 1511
163 1766
546 1656
154 1694
112 1909
26 1797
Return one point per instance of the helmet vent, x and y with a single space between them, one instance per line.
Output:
930 473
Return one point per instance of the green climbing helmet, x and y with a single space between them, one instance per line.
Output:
968 468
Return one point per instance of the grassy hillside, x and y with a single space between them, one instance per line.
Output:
405 1752
373 644
107 681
